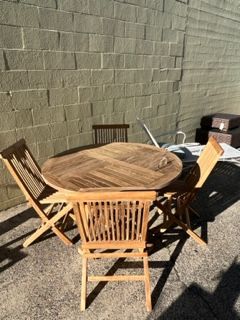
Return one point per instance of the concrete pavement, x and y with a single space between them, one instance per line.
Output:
188 281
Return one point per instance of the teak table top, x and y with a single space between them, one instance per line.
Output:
116 167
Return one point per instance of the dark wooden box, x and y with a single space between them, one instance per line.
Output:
222 121
231 137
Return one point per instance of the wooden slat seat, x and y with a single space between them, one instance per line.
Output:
107 133
27 174
113 220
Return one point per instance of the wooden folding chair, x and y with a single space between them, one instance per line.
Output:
181 193
107 133
116 220
27 174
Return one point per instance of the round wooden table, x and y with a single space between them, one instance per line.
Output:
116 167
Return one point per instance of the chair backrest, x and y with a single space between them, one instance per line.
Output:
107 133
24 169
205 164
115 218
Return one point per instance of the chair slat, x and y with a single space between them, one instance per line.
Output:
107 133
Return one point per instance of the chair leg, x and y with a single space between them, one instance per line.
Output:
50 224
84 284
147 284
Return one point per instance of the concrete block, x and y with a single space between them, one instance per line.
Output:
78 111
87 23
107 8
167 87
16 14
177 8
124 76
167 62
144 47
114 91
143 75
133 30
152 61
178 23
123 104
5 102
7 121
159 75
102 107
63 96
59 60
7 138
45 149
24 118
142 102
58 130
74 41
123 45
158 99
94 7
14 80
40 39
60 145
78 140
161 48
134 61
88 60
44 79
73 127
124 11
24 60
133 90
174 74
155 4
113 27
29 99
41 115
81 42
99 77
74 6
57 114
142 15
100 43
136 2
176 49
93 93
170 35
178 62
2 62
10 37
112 61
75 78
55 20
154 33
150 88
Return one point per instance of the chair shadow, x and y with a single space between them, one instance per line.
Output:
9 256
17 220
220 192
197 303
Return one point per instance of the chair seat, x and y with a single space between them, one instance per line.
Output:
51 195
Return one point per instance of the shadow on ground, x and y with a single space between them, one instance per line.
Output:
220 303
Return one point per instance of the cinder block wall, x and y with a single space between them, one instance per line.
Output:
68 64
211 65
